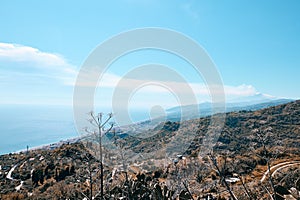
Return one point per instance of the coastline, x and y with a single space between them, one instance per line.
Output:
49 146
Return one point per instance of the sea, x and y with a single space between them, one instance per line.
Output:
37 125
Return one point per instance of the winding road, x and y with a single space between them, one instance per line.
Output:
276 168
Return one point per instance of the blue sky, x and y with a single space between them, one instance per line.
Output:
254 44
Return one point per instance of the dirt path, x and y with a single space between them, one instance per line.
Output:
8 176
274 169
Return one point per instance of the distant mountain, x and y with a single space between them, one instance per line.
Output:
249 103
175 114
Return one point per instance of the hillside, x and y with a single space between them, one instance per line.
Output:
251 103
251 142
279 123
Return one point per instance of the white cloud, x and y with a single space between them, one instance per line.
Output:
19 53
111 80
159 88
29 61
28 66
240 90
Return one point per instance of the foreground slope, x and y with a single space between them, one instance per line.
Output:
257 155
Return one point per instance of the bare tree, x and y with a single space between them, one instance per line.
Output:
87 174
101 128
120 144
221 171
262 137
246 189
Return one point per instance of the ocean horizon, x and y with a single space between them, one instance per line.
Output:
37 125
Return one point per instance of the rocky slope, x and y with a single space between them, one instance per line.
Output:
256 156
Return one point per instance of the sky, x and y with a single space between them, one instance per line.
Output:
255 46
